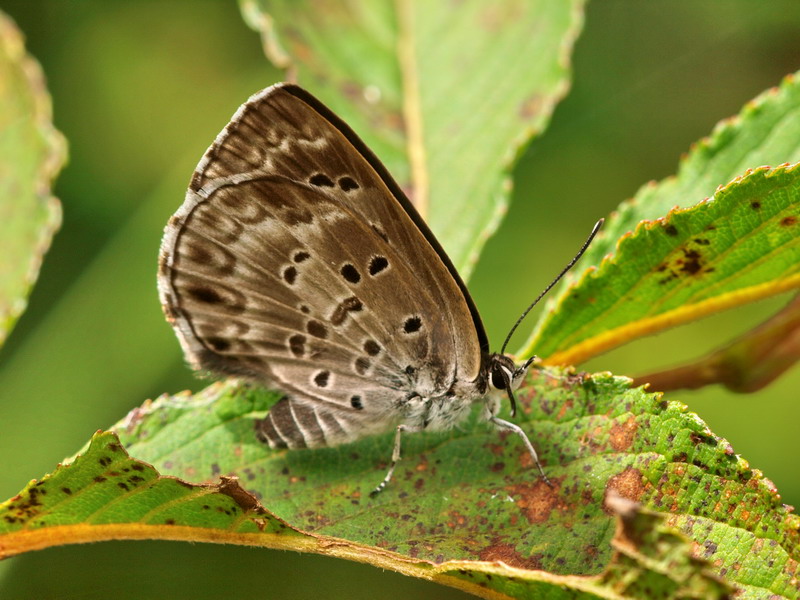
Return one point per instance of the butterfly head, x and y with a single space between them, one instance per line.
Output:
504 374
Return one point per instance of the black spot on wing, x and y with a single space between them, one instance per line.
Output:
377 264
362 365
350 273
219 344
205 294
322 378
372 347
317 329
347 184
412 325
320 180
348 305
297 345
290 275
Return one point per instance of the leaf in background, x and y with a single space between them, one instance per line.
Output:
446 94
32 153
766 132
459 500
740 246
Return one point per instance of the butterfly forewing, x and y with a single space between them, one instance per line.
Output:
295 261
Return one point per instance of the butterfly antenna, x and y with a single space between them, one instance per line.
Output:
588 241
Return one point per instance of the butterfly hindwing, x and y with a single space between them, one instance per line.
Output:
294 262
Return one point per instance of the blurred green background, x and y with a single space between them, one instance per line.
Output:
140 89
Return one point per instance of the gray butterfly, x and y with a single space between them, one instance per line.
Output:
297 262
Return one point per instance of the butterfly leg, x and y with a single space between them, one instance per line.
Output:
501 424
395 458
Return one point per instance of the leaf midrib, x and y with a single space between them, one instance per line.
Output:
412 106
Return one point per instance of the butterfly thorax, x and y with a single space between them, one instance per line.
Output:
498 373
445 411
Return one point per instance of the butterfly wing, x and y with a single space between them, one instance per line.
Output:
296 261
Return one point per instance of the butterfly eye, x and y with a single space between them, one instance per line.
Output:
498 381
502 377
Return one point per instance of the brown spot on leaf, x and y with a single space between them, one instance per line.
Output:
691 265
628 484
788 221
565 408
668 278
536 500
456 519
496 449
531 106
710 549
509 555
622 434
670 230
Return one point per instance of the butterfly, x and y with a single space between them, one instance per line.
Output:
297 262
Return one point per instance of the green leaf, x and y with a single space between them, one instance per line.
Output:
654 561
460 501
105 494
445 94
766 132
742 245
32 153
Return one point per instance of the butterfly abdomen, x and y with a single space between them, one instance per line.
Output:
291 424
